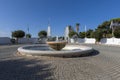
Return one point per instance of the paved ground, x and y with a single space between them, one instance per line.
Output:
102 65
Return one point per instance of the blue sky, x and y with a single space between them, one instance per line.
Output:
19 14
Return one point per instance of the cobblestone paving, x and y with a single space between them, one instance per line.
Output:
104 65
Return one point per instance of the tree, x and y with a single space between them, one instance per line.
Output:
117 33
104 25
70 28
115 20
18 34
98 35
107 31
42 34
88 33
28 35
77 27
82 34
92 34
72 33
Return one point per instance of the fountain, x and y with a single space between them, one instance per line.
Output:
55 49
57 45
45 50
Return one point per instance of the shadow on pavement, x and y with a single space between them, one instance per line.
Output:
21 69
93 53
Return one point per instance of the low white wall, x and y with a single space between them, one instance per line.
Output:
111 41
108 41
27 40
80 40
86 40
90 40
5 40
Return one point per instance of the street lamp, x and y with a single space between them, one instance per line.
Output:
112 26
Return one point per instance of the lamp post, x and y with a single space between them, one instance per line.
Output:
85 31
111 26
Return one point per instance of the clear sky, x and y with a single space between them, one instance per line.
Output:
19 14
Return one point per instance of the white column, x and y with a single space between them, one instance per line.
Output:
49 31
66 33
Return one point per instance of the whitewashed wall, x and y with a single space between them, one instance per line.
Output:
26 40
111 41
107 41
80 40
86 40
5 40
90 40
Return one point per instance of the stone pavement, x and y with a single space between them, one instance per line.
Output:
102 65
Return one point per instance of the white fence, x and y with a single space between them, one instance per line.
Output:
108 41
5 40
27 40
111 41
89 40
86 40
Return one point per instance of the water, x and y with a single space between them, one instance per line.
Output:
46 48
42 48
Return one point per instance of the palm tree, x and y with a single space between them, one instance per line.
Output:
77 27
70 28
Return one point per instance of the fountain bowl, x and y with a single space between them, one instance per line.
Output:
57 45
45 50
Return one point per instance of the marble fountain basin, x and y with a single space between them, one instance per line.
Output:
46 50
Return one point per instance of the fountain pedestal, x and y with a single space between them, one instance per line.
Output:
57 45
